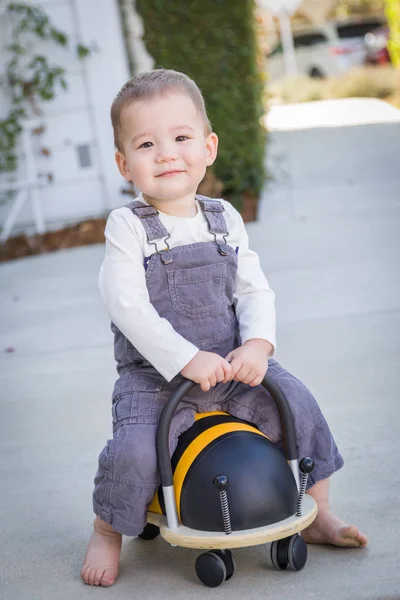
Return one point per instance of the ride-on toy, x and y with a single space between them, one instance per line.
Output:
227 486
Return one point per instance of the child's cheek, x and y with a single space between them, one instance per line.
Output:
139 172
197 155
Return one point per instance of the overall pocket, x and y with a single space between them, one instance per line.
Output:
138 404
198 292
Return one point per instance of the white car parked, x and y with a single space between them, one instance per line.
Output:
324 50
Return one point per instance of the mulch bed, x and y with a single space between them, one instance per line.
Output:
81 234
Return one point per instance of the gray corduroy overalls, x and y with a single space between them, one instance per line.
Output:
192 287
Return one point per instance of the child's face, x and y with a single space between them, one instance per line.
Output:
166 148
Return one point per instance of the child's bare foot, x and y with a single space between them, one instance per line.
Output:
329 529
100 566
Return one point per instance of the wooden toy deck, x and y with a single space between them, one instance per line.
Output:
193 538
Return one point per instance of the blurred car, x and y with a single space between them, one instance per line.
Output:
376 43
328 49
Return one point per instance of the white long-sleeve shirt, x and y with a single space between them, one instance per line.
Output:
123 286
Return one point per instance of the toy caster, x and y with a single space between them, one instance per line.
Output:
291 551
149 532
215 567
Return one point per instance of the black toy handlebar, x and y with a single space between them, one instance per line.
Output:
162 441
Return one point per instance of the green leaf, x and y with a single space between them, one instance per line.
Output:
29 82
59 37
82 51
16 49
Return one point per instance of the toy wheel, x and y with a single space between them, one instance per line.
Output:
211 569
229 560
149 532
291 551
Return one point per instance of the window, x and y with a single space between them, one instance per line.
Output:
84 157
311 39
356 30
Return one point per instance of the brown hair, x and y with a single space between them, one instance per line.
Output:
146 86
150 84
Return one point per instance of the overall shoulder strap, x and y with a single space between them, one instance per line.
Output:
213 211
150 220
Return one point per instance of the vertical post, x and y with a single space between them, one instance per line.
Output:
28 189
289 55
31 176
87 77
12 216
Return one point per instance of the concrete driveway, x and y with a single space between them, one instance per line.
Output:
328 237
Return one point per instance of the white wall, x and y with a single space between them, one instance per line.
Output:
79 116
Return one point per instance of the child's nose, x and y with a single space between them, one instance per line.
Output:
166 153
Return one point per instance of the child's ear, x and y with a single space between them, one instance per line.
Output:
212 148
122 165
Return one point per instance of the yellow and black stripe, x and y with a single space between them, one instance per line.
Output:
207 431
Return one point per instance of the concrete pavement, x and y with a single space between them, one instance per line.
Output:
329 243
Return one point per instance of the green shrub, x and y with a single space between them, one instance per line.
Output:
213 42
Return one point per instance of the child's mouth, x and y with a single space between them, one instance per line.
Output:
169 173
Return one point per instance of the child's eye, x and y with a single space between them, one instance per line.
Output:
146 145
181 138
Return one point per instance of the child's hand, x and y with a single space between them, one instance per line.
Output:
207 369
250 362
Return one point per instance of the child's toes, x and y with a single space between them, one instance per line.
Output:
92 575
350 536
361 539
85 572
109 576
98 574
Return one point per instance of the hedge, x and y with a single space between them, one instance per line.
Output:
213 41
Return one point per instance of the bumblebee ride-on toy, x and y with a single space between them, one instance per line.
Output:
227 486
